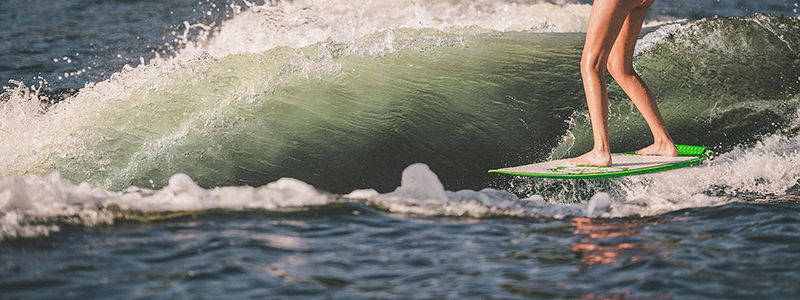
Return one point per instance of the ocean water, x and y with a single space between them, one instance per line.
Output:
339 150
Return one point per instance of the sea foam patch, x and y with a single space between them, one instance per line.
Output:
422 193
35 206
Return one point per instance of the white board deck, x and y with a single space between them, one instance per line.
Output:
623 164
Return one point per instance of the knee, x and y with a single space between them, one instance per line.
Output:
620 70
591 64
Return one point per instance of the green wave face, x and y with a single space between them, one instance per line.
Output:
338 116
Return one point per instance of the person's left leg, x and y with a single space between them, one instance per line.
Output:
620 65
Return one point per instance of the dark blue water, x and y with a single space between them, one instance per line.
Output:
737 251
227 149
69 43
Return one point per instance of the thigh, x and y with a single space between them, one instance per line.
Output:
622 50
607 21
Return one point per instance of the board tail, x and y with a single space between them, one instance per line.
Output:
689 150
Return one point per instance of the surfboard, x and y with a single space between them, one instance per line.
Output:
623 164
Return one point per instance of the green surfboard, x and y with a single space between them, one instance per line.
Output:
624 164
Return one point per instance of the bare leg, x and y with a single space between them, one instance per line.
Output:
609 20
620 65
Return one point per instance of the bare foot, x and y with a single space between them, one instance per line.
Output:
662 149
592 158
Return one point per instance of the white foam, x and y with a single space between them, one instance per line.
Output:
422 193
300 23
419 182
30 206
767 169
599 205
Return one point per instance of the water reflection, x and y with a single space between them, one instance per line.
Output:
607 241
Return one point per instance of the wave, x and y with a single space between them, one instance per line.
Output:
313 113
461 103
